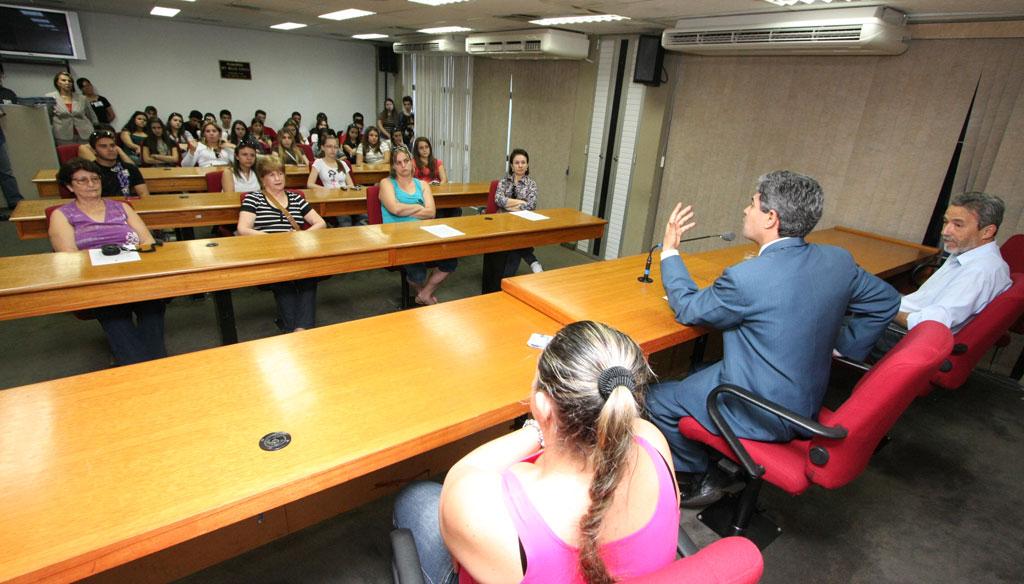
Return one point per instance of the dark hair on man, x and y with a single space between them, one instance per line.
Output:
988 208
296 114
258 112
225 112
795 198
512 157
407 99
195 114
209 115
357 117
102 131
69 168
81 81
150 108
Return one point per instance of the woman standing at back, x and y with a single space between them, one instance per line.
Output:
582 493
72 117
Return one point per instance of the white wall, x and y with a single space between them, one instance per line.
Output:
135 62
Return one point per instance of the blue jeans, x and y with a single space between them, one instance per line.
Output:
8 184
416 509
135 331
418 272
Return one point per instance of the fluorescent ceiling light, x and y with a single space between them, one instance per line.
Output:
579 19
437 2
444 29
792 2
346 14
288 26
369 36
161 11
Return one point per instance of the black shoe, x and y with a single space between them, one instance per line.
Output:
710 489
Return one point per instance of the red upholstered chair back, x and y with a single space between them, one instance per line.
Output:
492 207
308 151
877 401
978 336
215 181
1013 254
373 213
66 152
731 560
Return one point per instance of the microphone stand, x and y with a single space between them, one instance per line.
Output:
646 277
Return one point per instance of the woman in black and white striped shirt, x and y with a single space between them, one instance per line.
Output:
276 210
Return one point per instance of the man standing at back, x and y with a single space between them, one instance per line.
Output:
781 315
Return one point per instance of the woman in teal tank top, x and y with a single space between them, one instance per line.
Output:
405 198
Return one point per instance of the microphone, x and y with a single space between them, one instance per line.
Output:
646 277
727 236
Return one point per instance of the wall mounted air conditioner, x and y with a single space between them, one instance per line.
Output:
443 45
872 30
541 43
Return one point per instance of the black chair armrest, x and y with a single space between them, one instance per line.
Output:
405 563
933 262
862 366
752 468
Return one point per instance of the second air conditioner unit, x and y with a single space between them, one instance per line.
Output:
540 43
444 45
872 30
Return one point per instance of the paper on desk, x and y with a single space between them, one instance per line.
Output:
442 230
530 215
98 259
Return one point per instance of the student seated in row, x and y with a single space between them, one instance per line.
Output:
135 330
119 178
159 149
373 150
273 209
403 197
582 493
288 148
333 173
212 151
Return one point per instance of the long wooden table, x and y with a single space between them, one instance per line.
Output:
99 469
190 179
40 284
202 209
609 291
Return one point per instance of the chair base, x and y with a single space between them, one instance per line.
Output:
719 517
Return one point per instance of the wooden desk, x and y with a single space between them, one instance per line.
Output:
201 209
609 292
369 174
102 468
33 285
168 179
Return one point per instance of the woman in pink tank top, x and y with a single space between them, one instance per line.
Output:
581 493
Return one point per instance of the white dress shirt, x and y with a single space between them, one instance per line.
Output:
961 288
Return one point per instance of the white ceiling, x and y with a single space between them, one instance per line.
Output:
399 18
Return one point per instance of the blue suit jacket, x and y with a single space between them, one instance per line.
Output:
780 314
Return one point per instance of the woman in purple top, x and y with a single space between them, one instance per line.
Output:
582 493
135 330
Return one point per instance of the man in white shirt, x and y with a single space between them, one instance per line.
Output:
975 272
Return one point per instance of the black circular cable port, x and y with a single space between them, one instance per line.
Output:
275 441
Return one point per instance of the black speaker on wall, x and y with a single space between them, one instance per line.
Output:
650 57
387 60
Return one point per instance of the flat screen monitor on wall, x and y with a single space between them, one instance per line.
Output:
27 31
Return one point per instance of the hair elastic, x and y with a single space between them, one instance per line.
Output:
613 377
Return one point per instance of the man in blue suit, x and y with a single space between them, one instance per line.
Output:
781 315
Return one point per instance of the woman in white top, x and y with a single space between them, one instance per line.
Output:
210 152
241 176
333 173
373 150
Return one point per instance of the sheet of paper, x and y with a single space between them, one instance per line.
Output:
98 259
442 230
530 215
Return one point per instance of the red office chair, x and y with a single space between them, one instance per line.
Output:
733 560
492 206
66 152
374 216
308 151
1013 254
842 441
981 333
215 181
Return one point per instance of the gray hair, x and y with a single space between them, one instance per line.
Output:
797 199
988 208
